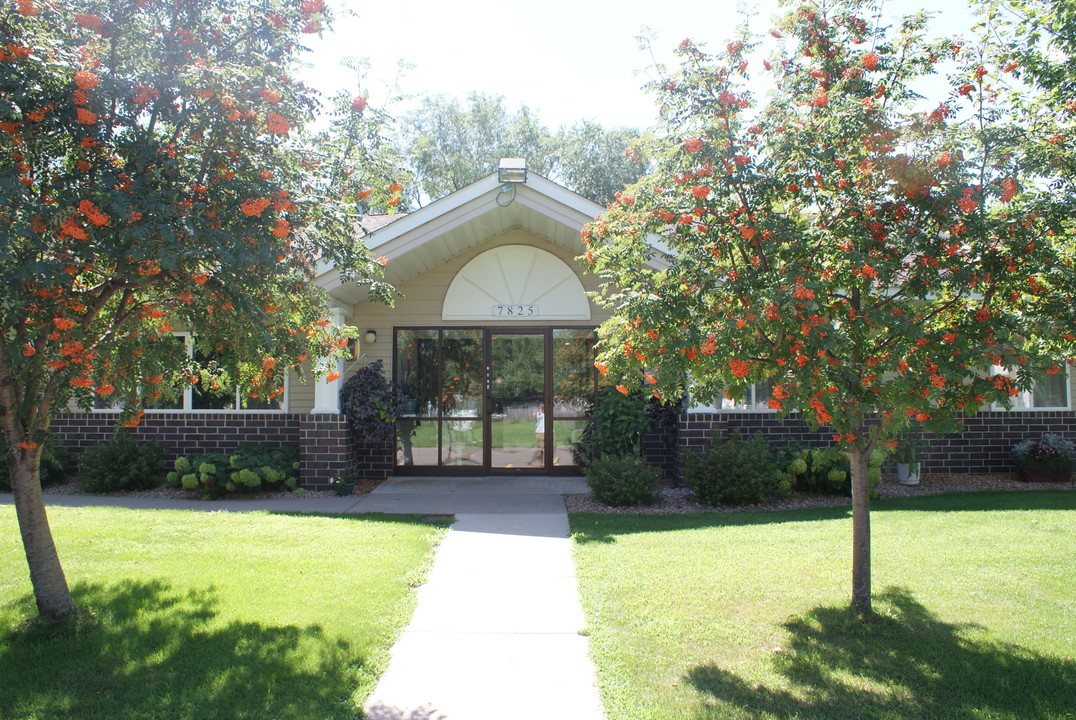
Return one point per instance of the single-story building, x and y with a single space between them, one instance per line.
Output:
492 344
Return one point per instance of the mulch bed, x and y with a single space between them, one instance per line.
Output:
74 487
679 500
671 500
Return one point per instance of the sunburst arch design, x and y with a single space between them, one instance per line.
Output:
516 282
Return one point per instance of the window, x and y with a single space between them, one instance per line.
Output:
227 393
1050 393
756 399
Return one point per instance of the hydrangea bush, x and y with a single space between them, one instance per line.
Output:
251 468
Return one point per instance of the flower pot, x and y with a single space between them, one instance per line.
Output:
907 474
1031 471
344 488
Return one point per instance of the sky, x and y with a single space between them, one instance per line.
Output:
567 60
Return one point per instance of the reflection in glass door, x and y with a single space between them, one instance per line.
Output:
573 390
517 418
479 400
462 385
442 376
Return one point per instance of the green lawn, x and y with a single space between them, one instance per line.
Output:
743 615
510 432
209 615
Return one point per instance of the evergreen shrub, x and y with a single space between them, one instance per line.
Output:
122 463
622 480
736 471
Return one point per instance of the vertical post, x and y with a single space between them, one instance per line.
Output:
327 393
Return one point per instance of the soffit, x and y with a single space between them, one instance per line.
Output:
433 235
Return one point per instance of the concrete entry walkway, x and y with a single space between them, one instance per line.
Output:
496 633
496 630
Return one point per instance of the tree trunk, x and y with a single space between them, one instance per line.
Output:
46 575
861 532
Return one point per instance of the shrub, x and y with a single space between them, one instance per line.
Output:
123 463
371 403
206 472
1045 458
819 470
615 427
53 464
1049 447
736 472
275 467
827 470
622 480
251 468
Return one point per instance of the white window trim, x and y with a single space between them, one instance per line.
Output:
698 408
1029 395
188 395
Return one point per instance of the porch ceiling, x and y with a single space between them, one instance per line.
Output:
433 235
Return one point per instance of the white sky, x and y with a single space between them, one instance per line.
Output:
568 60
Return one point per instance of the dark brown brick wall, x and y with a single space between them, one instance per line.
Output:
661 450
376 462
182 433
661 454
324 441
325 450
984 447
697 429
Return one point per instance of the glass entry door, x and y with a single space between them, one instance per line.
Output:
517 420
492 400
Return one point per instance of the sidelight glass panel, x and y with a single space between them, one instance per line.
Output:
566 433
417 371
416 442
573 371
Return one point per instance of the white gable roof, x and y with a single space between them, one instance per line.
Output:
434 234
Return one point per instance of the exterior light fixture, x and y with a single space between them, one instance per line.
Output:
512 170
370 337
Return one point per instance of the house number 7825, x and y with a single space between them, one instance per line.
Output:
515 310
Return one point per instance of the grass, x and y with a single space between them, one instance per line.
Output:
209 615
508 432
744 615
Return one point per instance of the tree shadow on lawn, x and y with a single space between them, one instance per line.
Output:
1015 499
147 652
604 528
907 664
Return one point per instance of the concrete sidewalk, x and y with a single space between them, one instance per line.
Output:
496 633
497 630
